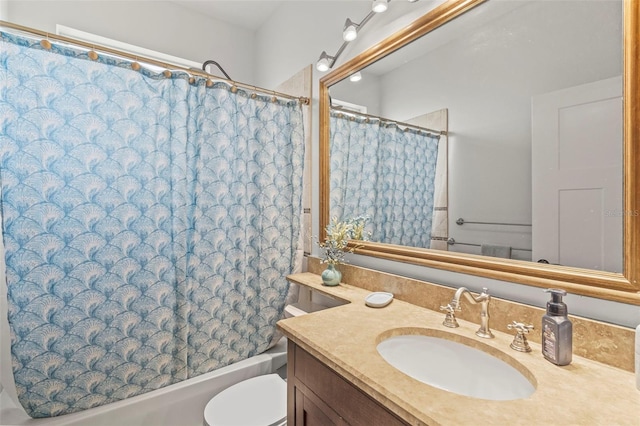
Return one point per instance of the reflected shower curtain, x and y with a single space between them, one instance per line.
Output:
148 224
386 173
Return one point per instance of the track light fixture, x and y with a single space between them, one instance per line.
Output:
350 31
379 6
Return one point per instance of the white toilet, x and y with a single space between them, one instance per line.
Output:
260 401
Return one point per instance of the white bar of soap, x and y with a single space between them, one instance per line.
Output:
379 299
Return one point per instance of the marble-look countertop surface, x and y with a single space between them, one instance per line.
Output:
345 339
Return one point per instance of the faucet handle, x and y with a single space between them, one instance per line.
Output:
447 308
520 327
450 319
520 342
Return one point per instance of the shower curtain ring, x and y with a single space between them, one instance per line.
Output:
92 54
45 43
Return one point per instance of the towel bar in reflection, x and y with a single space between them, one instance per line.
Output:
452 241
461 221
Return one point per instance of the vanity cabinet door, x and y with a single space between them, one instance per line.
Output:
317 395
310 414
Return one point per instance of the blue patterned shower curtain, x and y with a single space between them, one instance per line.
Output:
148 224
386 173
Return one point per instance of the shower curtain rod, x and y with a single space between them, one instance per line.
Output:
387 120
137 58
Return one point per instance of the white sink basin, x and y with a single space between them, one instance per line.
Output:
455 367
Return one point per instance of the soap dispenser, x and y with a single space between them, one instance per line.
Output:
557 331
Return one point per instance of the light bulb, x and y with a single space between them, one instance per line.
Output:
355 77
323 63
350 31
379 6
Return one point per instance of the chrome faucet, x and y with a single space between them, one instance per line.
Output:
484 298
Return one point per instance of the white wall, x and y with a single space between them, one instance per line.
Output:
157 25
298 32
4 6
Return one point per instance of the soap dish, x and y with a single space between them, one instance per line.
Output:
379 299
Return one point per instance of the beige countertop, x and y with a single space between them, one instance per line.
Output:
345 339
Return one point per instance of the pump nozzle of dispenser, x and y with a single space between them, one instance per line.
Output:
556 306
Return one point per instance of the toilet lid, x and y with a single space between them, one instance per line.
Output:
260 401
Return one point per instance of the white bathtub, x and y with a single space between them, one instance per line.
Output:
181 404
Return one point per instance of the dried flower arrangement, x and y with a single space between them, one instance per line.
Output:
338 234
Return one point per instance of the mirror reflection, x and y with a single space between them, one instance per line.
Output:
499 133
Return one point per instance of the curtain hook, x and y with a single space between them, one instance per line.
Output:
274 99
167 73
254 94
209 82
234 88
135 65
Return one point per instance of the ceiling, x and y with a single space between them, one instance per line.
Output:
249 14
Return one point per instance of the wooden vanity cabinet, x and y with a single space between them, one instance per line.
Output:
317 395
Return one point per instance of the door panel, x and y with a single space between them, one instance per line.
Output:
577 176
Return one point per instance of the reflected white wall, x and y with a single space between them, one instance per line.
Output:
486 78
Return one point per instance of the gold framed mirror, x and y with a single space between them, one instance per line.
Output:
622 287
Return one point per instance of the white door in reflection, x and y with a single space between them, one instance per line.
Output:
577 176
